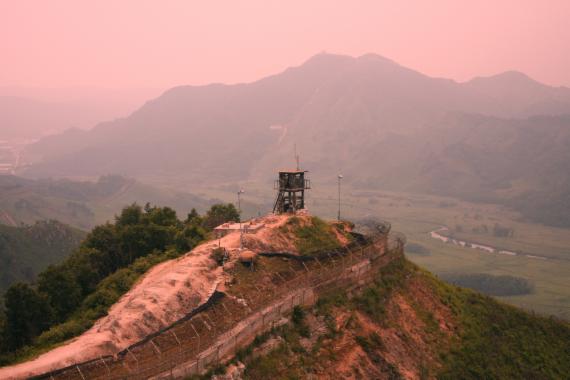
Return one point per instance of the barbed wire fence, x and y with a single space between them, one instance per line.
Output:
227 322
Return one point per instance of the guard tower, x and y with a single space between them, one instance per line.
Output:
290 187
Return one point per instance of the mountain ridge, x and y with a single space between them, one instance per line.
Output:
342 113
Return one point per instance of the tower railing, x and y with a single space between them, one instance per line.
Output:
292 184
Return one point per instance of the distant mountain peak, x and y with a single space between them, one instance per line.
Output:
509 78
327 58
376 57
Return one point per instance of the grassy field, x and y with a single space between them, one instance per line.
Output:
417 215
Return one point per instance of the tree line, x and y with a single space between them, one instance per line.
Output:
68 297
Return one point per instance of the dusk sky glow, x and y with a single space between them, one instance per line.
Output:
159 44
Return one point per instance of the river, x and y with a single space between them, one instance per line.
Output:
436 234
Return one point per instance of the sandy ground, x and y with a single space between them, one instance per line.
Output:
168 292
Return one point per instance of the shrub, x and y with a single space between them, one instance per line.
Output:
218 255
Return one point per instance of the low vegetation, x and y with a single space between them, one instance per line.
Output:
417 249
483 338
373 299
498 341
490 284
312 236
69 297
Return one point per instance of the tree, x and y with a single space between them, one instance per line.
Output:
130 215
104 238
219 214
62 290
193 217
162 216
27 314
3 347
189 237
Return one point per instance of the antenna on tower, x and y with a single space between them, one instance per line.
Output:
297 157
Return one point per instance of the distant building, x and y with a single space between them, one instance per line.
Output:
247 227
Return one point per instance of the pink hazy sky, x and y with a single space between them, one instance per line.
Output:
139 43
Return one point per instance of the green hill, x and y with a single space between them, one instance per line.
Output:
409 324
83 204
26 250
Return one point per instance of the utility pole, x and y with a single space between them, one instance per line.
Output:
239 193
339 178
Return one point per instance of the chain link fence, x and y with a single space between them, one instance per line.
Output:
227 322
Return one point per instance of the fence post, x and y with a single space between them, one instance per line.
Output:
198 335
105 364
137 360
80 373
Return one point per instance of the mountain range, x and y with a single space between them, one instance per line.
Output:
502 139
83 204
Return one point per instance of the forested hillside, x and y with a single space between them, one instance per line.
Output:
82 204
27 250
69 297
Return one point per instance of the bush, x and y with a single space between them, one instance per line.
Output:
218 255
314 237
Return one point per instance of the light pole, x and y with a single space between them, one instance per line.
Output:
239 193
339 178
